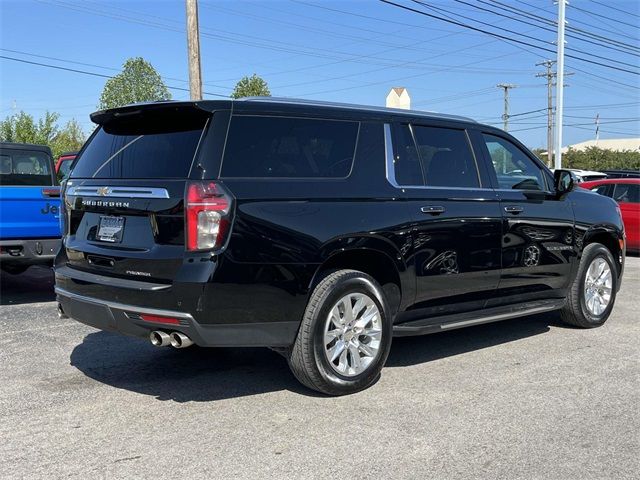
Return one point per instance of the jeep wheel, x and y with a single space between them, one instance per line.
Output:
345 335
593 293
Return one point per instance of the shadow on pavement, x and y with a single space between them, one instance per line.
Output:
201 374
34 285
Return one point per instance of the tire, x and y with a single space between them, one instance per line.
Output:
578 311
309 357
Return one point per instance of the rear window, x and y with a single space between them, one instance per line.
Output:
278 147
23 167
124 153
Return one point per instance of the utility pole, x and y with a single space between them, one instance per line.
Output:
560 84
193 46
597 128
549 75
505 115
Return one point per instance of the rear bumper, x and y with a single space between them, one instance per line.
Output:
126 319
29 252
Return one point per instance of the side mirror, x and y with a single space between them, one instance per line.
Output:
564 181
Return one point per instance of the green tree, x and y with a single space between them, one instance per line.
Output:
138 82
252 86
22 128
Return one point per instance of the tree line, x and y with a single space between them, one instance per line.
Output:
598 159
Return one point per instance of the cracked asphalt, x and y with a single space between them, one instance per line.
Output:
526 398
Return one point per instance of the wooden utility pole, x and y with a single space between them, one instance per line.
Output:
505 115
549 75
193 45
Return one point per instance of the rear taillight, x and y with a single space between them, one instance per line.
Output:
208 215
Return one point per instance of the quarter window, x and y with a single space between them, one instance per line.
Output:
513 167
284 147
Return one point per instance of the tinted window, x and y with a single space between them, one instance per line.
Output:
22 167
601 189
406 162
138 155
626 193
514 168
446 157
277 147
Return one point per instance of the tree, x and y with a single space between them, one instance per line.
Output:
22 128
138 82
252 86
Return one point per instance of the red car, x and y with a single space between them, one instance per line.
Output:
625 191
63 164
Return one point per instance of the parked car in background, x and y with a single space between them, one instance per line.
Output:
63 164
321 230
625 191
587 175
29 207
622 173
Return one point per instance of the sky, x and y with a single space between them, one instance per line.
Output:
347 51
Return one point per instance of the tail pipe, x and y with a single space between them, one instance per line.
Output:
180 340
160 338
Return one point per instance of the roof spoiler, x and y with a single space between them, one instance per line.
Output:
103 117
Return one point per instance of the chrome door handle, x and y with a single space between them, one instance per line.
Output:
432 209
514 209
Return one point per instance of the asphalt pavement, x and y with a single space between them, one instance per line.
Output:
526 398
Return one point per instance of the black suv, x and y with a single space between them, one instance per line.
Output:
322 230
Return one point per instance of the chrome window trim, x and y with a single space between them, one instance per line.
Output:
390 171
116 191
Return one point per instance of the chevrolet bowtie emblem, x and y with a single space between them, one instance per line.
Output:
103 191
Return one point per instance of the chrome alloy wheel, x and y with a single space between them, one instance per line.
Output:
352 334
597 286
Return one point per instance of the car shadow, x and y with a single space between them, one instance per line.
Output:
32 286
209 374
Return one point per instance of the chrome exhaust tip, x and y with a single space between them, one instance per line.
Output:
180 340
61 314
159 338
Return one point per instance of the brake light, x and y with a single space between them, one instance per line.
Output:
208 215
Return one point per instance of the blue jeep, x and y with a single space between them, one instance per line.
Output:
29 207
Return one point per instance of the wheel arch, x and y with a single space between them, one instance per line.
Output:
612 238
374 262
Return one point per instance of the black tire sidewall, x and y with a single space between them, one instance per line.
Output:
598 251
358 283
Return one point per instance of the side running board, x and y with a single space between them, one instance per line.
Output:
451 322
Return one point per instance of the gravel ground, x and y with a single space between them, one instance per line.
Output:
526 398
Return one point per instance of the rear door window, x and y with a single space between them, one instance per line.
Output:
406 161
124 153
284 147
447 160
626 193
23 167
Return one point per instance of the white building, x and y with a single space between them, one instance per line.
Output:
615 144
398 97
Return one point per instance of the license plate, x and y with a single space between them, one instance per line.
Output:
110 229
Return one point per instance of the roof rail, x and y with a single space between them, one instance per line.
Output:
370 108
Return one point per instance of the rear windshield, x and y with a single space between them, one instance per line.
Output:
24 167
126 153
279 147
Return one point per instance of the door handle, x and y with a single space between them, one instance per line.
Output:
433 209
513 209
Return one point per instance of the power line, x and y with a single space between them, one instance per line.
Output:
93 74
539 18
548 28
617 9
508 39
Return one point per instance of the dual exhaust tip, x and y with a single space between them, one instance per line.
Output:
175 339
